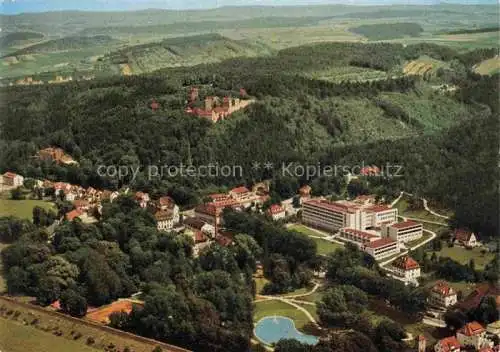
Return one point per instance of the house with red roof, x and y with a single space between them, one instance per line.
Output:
406 269
448 344
70 216
240 194
465 238
81 204
442 295
142 198
361 238
276 212
472 334
12 179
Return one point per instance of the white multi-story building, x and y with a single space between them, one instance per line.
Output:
406 269
381 248
472 334
403 232
164 220
332 216
442 295
276 212
12 179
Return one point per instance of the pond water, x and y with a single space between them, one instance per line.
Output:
272 329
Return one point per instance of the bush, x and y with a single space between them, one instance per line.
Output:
90 340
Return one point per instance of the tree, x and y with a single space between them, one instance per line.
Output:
73 303
17 194
455 319
48 291
291 345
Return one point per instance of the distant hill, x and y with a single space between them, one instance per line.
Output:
66 43
181 51
388 30
180 28
17 38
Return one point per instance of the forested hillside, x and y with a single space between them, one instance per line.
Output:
439 138
182 51
66 43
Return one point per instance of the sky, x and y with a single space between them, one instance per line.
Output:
18 6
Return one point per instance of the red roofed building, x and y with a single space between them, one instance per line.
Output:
472 334
12 179
465 238
442 295
73 214
382 248
403 232
224 240
332 216
448 344
218 197
370 171
81 204
357 236
406 268
154 105
474 298
305 192
276 212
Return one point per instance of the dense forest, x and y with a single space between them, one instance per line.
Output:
439 139
388 30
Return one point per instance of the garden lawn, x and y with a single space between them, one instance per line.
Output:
307 230
463 256
325 247
22 208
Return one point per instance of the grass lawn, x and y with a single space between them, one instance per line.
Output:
306 230
325 247
463 256
22 208
15 337
298 291
424 237
272 307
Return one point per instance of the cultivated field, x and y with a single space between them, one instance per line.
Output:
17 337
83 333
488 67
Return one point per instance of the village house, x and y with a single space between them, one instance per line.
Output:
276 212
164 220
448 344
12 179
465 238
201 241
472 334
142 198
167 203
198 225
70 216
305 193
218 197
62 188
81 204
406 269
442 295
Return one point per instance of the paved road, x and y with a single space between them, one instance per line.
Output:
426 207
